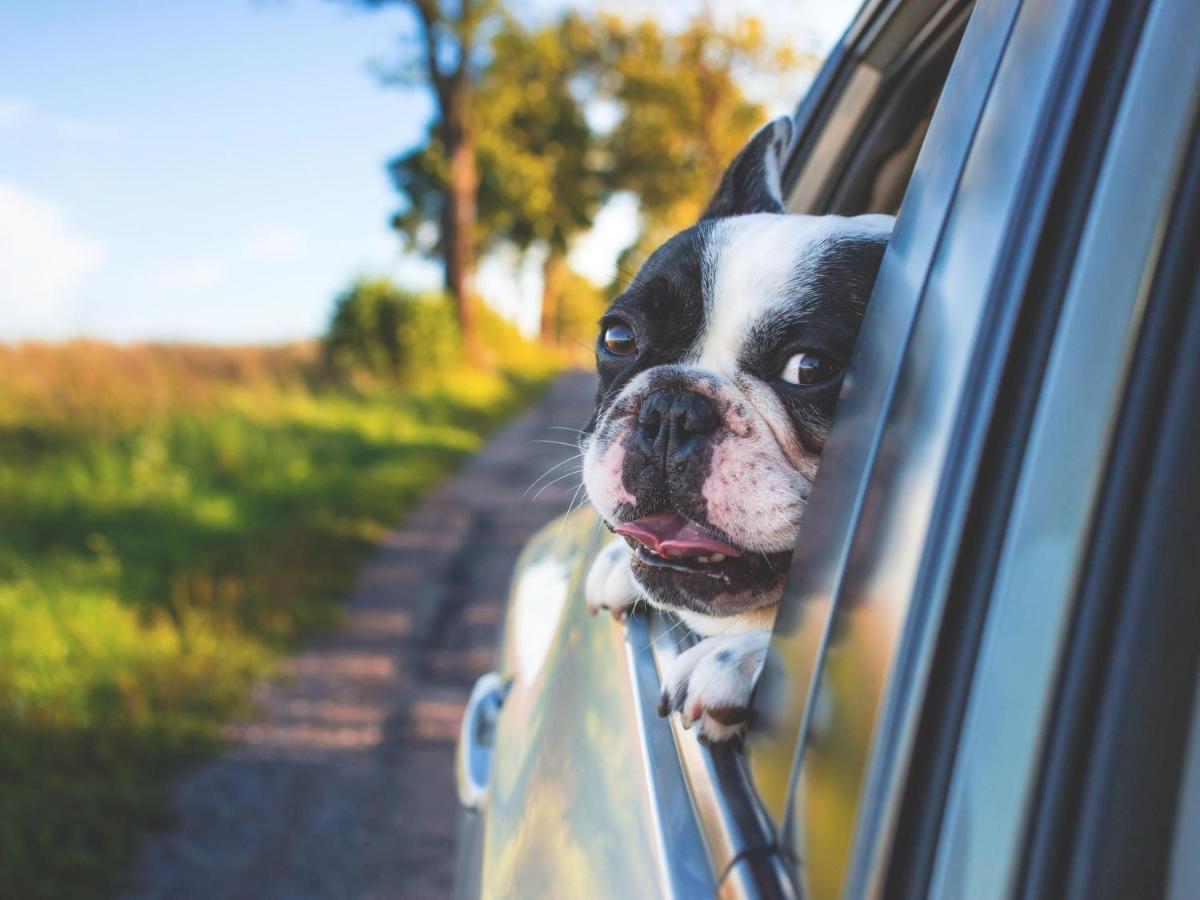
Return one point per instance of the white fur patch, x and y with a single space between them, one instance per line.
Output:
754 261
754 495
714 680
610 583
602 476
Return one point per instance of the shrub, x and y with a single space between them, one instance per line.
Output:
391 334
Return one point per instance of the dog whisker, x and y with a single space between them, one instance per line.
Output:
570 508
559 443
548 471
629 276
554 481
678 624
582 435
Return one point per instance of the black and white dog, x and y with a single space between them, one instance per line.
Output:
719 368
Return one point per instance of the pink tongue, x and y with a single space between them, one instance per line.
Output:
671 536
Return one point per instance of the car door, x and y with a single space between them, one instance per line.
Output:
917 661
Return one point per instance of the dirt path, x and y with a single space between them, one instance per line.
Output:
343 787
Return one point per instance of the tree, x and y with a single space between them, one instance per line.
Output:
580 306
512 158
684 114
681 116
542 172
441 179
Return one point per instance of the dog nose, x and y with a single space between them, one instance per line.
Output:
671 422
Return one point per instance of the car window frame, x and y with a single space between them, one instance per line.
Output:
785 696
1086 87
783 693
1120 727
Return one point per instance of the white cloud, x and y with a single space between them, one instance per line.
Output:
186 275
274 242
83 131
13 112
42 261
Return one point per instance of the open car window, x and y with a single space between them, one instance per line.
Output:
862 152
860 132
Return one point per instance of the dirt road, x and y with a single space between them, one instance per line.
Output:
343 786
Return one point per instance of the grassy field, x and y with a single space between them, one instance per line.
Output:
170 517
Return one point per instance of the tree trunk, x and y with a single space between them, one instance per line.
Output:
459 217
554 271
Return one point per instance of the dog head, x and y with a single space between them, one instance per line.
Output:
719 367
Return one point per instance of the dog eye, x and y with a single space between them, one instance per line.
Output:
619 340
808 368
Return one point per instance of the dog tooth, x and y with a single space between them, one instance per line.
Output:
717 557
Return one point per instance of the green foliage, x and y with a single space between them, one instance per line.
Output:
544 171
684 114
157 551
541 170
422 178
381 334
391 334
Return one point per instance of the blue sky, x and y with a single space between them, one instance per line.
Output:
212 170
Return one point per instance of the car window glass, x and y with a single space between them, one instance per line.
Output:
781 701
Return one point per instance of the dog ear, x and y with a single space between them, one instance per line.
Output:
752 183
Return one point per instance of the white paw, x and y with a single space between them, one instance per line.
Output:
711 683
610 583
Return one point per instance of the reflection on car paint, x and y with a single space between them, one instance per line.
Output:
569 813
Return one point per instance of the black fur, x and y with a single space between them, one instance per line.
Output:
751 183
664 305
830 296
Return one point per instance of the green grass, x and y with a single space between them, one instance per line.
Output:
156 555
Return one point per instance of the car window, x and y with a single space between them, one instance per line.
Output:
782 699
863 157
859 143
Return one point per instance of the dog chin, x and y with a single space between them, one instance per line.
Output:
730 587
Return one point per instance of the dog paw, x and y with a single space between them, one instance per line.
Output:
610 583
710 684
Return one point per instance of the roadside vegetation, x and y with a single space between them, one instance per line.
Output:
171 517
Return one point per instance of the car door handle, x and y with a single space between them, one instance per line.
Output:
476 740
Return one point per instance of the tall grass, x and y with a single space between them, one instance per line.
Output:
170 517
